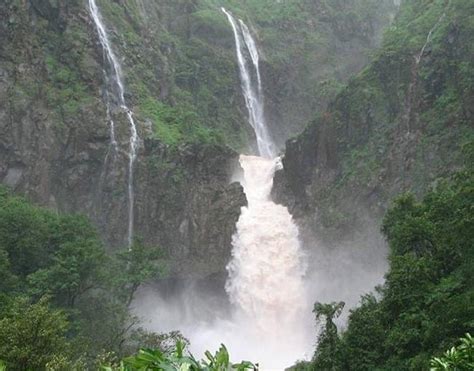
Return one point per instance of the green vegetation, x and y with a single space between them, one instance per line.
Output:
427 300
62 297
63 84
383 90
178 359
174 125
32 334
459 357
327 341
298 41
64 302
183 76
178 60
182 84
396 126
399 125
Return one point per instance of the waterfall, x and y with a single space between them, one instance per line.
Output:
245 45
115 90
428 39
265 283
269 320
407 115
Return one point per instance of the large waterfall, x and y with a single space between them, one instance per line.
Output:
115 90
266 271
270 319
265 282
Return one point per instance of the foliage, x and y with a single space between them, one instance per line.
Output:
137 265
179 359
174 125
398 125
363 340
62 298
460 357
32 334
426 301
65 92
325 357
142 339
182 76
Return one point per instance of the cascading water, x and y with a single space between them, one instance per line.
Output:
245 44
271 295
270 321
115 89
428 39
414 74
266 271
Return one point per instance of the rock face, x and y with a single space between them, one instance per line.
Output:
182 83
55 146
320 45
397 127
185 200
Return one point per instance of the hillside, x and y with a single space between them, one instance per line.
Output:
176 175
397 126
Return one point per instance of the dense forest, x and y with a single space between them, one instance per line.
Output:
425 304
227 184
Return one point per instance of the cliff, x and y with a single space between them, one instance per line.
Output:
397 126
181 81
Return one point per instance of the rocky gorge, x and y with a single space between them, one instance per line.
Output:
181 81
293 179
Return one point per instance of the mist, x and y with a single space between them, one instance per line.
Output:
208 317
274 276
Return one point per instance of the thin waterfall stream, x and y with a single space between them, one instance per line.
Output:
116 90
414 73
245 44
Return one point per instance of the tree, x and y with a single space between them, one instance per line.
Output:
61 256
363 340
326 355
136 266
24 234
31 335
8 280
74 270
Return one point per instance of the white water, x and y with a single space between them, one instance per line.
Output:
266 271
270 321
245 45
115 84
428 39
265 283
